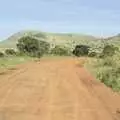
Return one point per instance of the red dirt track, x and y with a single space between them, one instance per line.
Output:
55 89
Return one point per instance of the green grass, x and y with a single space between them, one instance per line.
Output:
8 62
107 70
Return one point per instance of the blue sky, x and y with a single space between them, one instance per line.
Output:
95 17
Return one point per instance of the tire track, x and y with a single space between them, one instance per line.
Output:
11 83
4 81
89 85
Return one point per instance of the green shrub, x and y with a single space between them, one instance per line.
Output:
92 54
108 50
59 50
110 77
18 53
28 45
32 46
108 71
1 54
10 52
108 61
101 55
81 50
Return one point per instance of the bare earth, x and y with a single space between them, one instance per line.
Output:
55 89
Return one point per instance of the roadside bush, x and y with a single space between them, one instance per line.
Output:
108 50
92 54
110 77
1 54
18 53
28 45
101 55
108 61
81 50
108 71
59 50
32 46
10 52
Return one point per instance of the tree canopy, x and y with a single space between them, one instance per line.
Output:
81 50
32 46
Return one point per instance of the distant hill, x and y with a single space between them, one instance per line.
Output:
114 40
67 39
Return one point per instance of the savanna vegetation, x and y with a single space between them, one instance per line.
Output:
10 52
32 47
1 54
103 55
81 50
60 50
106 66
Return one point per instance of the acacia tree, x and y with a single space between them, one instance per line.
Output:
28 44
32 46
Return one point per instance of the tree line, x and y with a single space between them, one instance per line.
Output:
37 48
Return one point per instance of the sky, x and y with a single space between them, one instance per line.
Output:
93 17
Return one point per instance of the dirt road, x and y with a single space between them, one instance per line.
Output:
55 90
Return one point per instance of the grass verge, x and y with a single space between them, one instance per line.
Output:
9 62
107 70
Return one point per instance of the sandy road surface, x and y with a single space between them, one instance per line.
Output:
55 90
